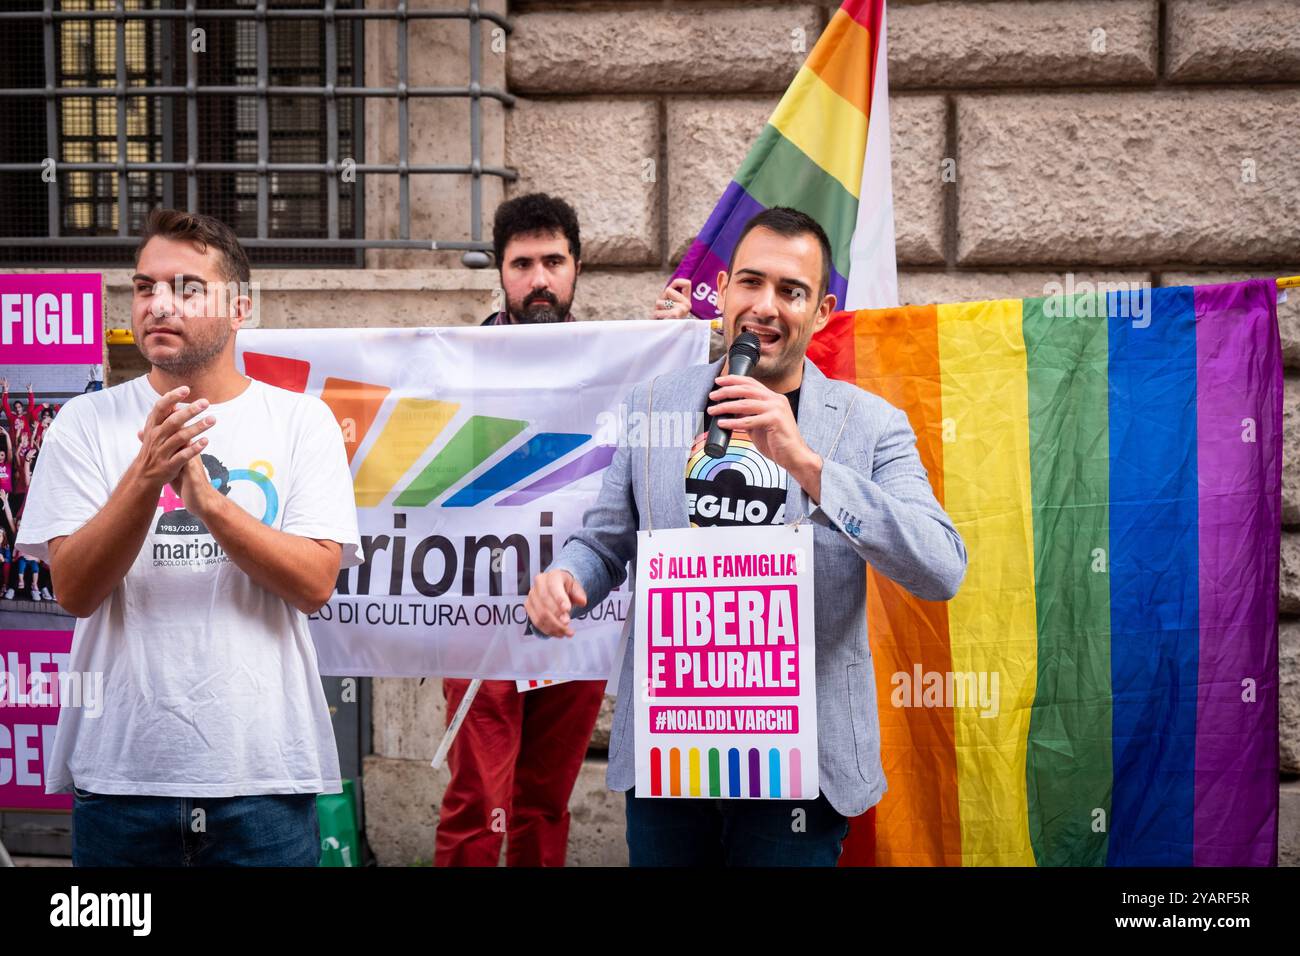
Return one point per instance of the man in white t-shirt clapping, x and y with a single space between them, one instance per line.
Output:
192 519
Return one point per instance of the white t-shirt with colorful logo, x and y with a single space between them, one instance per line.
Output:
210 681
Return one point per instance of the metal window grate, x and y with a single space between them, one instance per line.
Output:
255 132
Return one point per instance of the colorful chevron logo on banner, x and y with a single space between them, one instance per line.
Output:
812 155
1113 463
415 424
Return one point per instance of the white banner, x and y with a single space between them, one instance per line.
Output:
474 453
725 663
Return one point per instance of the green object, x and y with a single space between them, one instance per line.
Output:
339 824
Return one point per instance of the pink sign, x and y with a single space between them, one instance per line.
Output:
31 691
52 319
725 663
724 720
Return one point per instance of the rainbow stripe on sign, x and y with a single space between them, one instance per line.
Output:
416 424
748 772
794 162
1113 463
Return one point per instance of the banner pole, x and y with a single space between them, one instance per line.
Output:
454 727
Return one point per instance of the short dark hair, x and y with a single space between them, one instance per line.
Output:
201 231
788 222
534 212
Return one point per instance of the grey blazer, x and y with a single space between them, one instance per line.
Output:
876 508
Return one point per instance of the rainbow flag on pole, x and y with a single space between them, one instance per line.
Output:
825 151
1103 690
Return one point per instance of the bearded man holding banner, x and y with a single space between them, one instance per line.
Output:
842 458
518 753
192 519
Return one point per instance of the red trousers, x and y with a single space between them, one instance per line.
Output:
513 766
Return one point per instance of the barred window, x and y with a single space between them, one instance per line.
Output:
197 106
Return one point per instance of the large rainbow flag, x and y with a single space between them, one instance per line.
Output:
1113 462
825 151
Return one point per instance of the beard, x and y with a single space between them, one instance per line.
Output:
776 367
539 307
780 365
196 353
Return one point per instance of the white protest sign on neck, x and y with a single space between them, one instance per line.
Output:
725 668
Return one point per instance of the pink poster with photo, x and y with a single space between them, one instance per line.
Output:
51 350
34 682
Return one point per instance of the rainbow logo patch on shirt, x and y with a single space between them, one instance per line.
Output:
742 455
741 488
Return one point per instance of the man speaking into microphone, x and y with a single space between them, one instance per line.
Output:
801 445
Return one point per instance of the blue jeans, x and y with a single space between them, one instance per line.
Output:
679 832
278 829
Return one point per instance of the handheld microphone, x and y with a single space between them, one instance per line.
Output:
740 359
